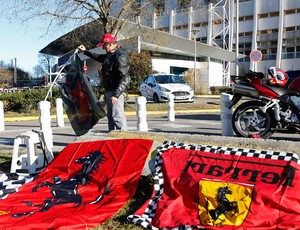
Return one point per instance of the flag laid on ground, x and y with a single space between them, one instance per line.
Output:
10 183
85 185
232 188
81 104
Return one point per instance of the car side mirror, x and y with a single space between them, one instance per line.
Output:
150 84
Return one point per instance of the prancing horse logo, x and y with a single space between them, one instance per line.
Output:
66 191
224 204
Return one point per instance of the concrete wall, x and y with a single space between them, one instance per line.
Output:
215 72
211 73
163 65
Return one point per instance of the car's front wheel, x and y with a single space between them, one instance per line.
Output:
155 98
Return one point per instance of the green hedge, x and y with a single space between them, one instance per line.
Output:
26 101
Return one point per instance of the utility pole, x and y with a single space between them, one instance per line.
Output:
237 39
195 57
14 64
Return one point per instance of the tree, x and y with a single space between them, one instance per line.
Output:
44 67
6 78
112 15
46 62
41 70
140 66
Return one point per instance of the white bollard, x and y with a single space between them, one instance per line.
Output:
226 114
141 113
45 123
2 127
171 112
60 113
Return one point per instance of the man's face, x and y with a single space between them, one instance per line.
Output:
108 47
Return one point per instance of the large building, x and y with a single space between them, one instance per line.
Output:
270 26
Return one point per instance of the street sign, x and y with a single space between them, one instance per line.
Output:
85 68
255 55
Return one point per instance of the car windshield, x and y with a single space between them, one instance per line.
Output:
166 79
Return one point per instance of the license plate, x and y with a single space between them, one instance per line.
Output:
180 97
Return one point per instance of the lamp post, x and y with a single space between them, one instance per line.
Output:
195 57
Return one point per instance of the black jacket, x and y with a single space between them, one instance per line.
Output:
115 70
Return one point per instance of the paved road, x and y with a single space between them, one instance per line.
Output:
194 123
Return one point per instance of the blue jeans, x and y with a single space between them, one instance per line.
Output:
115 112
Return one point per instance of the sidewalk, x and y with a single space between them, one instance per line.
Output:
133 113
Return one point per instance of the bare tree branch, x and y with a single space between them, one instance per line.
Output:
101 16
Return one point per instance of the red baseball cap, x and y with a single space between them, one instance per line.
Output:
106 38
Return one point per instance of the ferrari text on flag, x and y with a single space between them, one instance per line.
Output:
220 187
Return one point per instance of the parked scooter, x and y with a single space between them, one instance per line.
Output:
273 105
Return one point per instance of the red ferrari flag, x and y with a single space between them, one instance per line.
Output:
219 187
82 187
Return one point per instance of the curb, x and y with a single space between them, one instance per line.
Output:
128 113
28 118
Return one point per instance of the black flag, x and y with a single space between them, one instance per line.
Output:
80 102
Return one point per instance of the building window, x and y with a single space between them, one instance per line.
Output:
290 49
177 70
248 45
289 28
248 18
292 11
263 44
263 32
184 4
159 6
247 52
267 15
274 14
137 3
181 27
263 15
273 43
273 51
199 24
289 41
217 22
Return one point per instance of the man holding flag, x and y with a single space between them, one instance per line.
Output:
115 74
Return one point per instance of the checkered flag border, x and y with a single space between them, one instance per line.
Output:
145 219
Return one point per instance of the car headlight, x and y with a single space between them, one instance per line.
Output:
164 89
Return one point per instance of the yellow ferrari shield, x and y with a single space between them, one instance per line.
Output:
223 203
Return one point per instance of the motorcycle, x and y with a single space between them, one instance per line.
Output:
274 106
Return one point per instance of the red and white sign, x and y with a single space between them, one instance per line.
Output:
255 55
85 68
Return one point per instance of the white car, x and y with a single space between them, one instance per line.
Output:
158 87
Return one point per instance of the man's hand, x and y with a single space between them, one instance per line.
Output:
82 48
114 99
